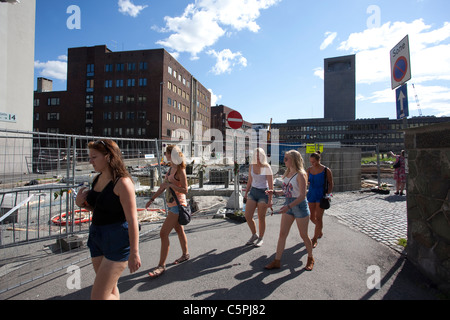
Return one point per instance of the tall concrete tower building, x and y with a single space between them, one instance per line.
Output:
340 88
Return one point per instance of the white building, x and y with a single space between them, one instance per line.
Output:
17 35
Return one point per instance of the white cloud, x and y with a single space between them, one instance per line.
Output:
203 23
429 56
53 69
214 98
128 8
226 60
430 63
330 36
319 72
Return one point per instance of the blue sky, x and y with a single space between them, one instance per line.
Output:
265 58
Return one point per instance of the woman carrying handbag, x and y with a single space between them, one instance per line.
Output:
176 180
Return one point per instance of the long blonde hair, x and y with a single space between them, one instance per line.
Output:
298 162
262 157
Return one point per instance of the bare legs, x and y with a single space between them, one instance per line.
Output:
250 211
286 223
107 275
317 219
170 223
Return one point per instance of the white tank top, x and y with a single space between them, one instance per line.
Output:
260 180
291 188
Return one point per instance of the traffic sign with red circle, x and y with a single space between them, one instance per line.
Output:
235 120
400 69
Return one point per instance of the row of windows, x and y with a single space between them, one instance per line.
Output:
178 91
179 105
119 132
50 102
177 119
120 67
130 83
120 115
353 127
336 136
178 76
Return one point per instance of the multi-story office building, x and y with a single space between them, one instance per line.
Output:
340 88
130 94
17 33
386 133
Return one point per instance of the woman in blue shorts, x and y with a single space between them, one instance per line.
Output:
295 208
260 178
114 233
316 180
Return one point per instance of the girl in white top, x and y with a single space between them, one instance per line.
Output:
295 208
260 179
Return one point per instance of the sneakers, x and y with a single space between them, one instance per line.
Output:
255 237
259 242
252 239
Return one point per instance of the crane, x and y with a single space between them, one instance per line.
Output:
417 100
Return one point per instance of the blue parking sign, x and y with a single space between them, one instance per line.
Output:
401 97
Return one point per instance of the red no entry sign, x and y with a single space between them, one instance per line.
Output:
235 120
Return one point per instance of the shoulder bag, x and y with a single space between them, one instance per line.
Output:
184 213
325 202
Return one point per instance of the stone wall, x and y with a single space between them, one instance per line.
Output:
345 164
428 200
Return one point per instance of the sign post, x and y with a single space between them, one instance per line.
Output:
235 121
400 74
400 63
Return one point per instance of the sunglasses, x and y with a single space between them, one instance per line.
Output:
103 143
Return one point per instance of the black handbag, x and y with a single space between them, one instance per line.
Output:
184 213
325 202
397 164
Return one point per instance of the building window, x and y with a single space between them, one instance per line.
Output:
119 83
130 131
109 68
169 101
169 69
131 82
142 115
142 98
53 101
168 116
143 82
90 85
36 116
120 67
90 70
107 115
36 103
131 66
130 99
118 132
108 99
89 101
143 65
119 99
108 83
107 131
141 131
89 115
130 115
53 116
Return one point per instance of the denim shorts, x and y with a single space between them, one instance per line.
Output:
111 241
299 211
258 195
175 209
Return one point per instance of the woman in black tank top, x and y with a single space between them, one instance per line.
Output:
114 233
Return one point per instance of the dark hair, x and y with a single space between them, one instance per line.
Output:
316 155
109 147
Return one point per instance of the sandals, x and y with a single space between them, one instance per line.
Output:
183 258
156 272
309 264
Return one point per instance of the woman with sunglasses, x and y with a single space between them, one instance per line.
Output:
295 208
114 233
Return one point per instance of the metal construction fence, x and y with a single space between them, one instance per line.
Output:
40 173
